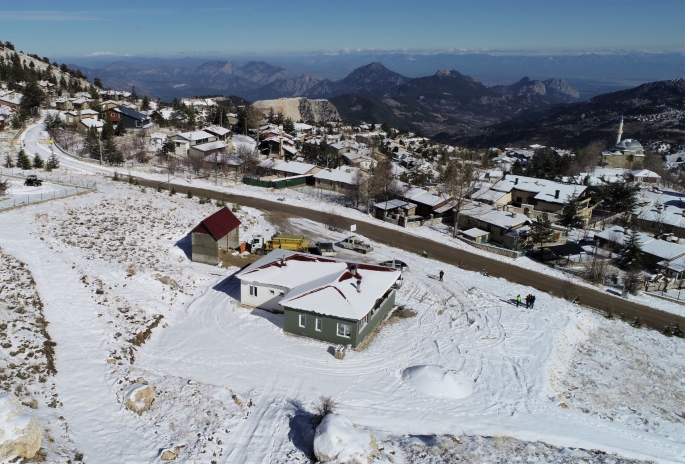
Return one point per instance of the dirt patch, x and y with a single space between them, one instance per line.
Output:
141 337
399 314
228 260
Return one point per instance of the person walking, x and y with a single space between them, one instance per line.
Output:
527 301
532 301
518 300
442 274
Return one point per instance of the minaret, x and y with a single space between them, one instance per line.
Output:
280 142
620 131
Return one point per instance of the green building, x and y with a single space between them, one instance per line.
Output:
322 298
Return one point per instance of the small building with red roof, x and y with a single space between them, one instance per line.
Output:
214 235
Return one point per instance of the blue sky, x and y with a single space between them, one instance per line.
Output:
77 28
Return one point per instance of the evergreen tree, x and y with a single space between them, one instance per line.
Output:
631 255
23 161
53 163
517 168
98 83
134 95
620 197
9 164
541 231
145 105
111 153
107 130
121 130
168 147
570 215
32 97
270 117
289 126
92 145
38 162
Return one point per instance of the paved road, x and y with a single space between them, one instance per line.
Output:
596 299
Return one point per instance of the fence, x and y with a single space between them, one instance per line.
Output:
64 186
494 249
283 182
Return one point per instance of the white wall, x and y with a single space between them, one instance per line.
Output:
267 296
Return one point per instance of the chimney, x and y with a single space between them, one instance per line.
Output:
683 212
556 194
353 269
283 262
516 181
513 214
359 285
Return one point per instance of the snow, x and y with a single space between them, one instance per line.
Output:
338 440
97 262
436 382
12 418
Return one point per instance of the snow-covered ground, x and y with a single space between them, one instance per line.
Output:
230 385
19 194
126 306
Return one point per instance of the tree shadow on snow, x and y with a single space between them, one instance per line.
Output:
186 246
302 428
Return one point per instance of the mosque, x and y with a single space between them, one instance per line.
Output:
626 154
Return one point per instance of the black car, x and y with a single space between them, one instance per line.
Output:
397 264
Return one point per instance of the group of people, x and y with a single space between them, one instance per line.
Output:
530 301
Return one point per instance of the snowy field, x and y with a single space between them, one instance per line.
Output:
19 194
125 306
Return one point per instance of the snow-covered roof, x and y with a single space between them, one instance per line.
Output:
218 145
488 195
490 215
648 244
197 135
395 203
424 197
341 174
475 233
545 190
218 130
645 173
321 285
287 166
90 122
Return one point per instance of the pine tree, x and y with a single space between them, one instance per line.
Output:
570 215
631 255
121 130
542 231
168 147
111 153
107 130
9 164
38 162
53 163
145 105
91 145
23 161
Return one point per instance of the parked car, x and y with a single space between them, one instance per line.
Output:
396 263
355 244
325 249
33 181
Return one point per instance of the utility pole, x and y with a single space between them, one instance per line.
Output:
100 149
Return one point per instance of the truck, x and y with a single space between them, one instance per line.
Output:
356 244
325 249
32 180
259 246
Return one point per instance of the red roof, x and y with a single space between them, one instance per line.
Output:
218 224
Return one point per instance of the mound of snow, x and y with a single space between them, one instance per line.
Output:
337 439
20 434
434 381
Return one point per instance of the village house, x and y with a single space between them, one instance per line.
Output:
664 216
85 125
321 298
221 133
496 222
215 235
393 209
130 118
184 140
207 149
428 202
280 168
645 176
338 179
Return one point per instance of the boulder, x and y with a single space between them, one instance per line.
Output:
20 434
138 398
338 439
170 454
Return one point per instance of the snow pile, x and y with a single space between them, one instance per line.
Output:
138 398
434 381
337 439
20 434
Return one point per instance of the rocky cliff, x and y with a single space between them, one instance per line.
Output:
300 109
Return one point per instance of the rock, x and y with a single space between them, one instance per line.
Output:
192 382
138 398
111 361
170 454
300 109
237 400
338 439
166 280
20 434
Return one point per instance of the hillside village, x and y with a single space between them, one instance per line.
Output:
163 240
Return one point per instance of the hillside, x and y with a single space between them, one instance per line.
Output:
551 90
653 111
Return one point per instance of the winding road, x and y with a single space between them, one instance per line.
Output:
601 301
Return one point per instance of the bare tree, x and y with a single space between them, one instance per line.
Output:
249 160
458 182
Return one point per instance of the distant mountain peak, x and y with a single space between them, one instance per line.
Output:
443 73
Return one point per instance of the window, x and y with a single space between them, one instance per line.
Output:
319 324
303 320
362 322
253 291
137 123
344 330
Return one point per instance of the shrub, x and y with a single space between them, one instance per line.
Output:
638 323
190 194
323 407
115 177
677 330
205 200
159 188
173 192
220 203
